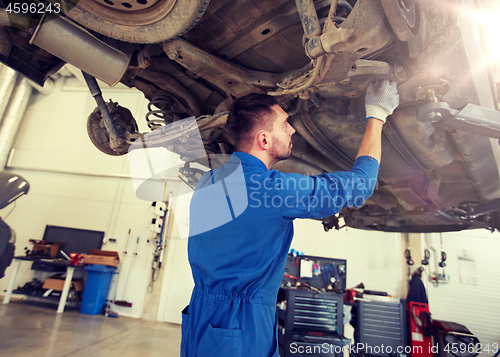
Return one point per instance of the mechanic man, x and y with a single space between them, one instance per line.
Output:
241 226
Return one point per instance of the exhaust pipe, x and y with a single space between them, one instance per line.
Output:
74 45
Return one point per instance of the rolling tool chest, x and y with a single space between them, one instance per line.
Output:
380 321
310 323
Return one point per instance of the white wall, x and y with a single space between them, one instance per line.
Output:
178 281
373 258
475 306
75 185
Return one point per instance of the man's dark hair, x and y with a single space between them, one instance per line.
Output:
248 113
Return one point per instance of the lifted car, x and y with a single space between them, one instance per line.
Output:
191 58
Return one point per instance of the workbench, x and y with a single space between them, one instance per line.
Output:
58 266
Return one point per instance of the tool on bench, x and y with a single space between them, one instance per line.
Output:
294 278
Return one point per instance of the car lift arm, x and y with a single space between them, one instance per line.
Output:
471 118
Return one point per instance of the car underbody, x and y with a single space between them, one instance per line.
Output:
192 58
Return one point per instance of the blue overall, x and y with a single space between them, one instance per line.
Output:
241 229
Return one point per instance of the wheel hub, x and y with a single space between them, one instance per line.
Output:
123 121
129 12
439 87
127 5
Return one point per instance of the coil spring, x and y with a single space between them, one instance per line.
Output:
343 10
163 115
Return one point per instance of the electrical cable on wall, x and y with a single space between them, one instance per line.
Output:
162 210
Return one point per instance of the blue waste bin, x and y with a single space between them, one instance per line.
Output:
96 288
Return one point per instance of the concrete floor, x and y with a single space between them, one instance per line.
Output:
28 328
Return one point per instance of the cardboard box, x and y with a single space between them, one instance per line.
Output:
56 282
50 250
102 257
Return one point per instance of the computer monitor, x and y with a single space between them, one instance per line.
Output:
75 240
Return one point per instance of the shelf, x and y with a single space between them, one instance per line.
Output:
40 296
38 292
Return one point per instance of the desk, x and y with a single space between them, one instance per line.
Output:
70 269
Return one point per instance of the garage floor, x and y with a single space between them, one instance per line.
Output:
31 329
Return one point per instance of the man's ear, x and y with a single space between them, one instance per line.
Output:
263 138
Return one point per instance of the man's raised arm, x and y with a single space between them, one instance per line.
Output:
380 101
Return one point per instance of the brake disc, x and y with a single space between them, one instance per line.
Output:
123 122
421 88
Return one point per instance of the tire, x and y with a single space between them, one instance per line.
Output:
144 23
404 17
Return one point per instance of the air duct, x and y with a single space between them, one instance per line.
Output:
7 83
12 119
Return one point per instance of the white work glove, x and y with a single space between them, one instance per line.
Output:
381 99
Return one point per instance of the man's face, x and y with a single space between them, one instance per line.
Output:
281 144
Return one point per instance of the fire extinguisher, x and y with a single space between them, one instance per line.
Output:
420 329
